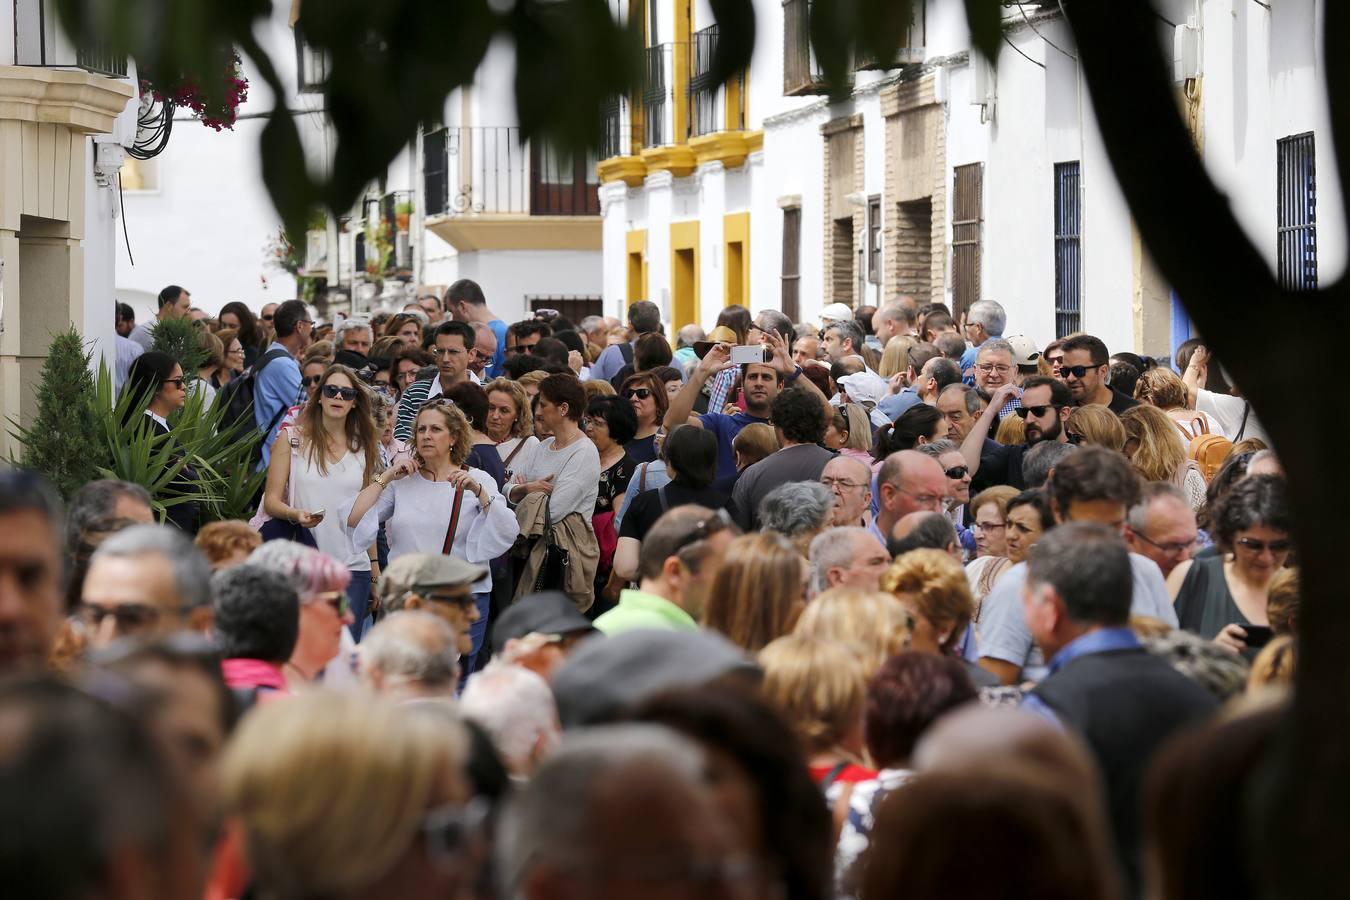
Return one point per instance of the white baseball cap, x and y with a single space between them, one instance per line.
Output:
835 312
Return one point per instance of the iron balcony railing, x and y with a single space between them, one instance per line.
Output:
40 41
487 170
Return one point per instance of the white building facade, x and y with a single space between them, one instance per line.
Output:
66 114
951 182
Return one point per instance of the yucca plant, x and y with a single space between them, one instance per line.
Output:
223 457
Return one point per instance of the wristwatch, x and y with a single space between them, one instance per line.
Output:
379 479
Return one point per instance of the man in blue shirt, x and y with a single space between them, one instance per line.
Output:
644 317
278 384
984 320
465 300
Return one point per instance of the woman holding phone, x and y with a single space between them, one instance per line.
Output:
334 452
432 502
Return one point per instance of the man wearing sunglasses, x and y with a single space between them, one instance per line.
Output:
439 584
1086 362
680 556
1045 407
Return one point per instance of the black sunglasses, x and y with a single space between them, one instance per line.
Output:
640 393
1036 411
956 472
267 318
1076 371
177 382
312 379
333 392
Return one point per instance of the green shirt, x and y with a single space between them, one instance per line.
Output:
638 610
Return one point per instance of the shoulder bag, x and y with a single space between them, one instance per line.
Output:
556 561
279 529
454 519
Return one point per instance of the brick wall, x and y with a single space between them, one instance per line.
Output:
916 169
843 177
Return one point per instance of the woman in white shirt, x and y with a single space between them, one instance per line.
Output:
422 497
510 424
334 453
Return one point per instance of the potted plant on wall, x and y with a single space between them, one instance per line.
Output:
403 211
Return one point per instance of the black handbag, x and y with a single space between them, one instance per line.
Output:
553 568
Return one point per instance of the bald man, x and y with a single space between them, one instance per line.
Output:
851 481
908 482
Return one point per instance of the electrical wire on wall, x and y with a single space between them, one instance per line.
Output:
121 200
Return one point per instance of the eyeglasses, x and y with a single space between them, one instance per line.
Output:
311 380
237 351
640 393
1076 371
843 484
305 322
445 351
990 368
956 472
409 376
929 500
1036 411
463 599
176 382
130 617
1169 549
333 392
336 599
1255 547
989 526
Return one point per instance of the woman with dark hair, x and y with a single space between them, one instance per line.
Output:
1217 596
691 462
239 317
1028 518
920 424
910 693
610 424
649 399
560 479
671 378
472 400
757 772
157 389
334 454
407 328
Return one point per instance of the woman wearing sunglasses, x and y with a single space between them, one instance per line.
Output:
647 394
334 453
158 389
1219 597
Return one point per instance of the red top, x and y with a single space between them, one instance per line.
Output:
850 774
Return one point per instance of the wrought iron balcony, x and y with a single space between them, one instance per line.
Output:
40 41
487 170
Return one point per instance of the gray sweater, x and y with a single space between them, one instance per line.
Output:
576 476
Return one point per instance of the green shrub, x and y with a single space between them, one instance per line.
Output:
64 440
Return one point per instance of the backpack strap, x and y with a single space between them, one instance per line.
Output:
642 479
267 358
626 351
1242 428
454 518
661 495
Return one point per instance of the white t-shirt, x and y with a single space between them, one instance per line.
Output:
1229 410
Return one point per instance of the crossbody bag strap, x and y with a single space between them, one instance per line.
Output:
512 455
642 479
454 519
1242 428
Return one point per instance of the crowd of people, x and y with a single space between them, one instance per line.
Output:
894 604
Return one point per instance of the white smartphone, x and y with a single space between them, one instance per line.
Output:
749 353
319 513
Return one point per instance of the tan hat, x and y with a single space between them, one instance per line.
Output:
417 572
1025 351
721 334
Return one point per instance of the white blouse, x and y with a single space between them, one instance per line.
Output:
315 491
416 513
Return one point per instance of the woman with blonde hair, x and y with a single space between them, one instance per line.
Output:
1095 424
933 587
850 432
873 623
334 453
510 423
754 442
1163 388
395 815
758 592
989 510
1155 449
432 502
820 687
1012 431
407 328
895 358
212 366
